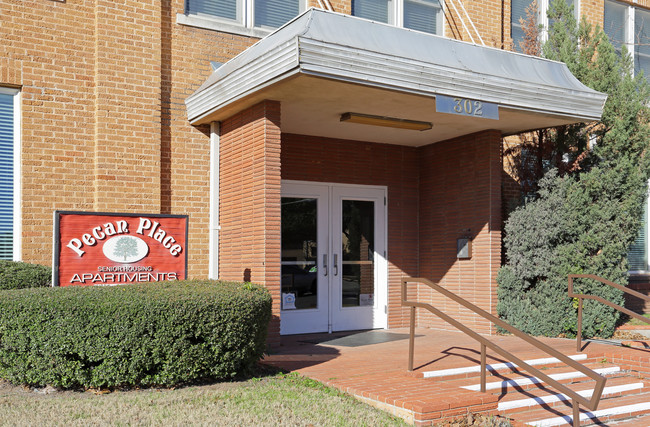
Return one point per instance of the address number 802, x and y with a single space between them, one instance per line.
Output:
468 106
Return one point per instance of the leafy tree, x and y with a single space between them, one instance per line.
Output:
126 247
587 212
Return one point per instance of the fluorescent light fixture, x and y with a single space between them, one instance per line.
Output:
391 122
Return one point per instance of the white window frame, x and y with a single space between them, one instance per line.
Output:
629 29
647 242
244 25
396 15
17 200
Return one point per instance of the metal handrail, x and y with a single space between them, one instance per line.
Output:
576 399
604 301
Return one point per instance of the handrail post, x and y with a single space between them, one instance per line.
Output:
576 413
412 339
579 340
483 368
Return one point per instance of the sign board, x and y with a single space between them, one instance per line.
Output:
110 248
467 107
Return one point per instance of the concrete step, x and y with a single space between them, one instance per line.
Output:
609 410
550 397
475 370
525 382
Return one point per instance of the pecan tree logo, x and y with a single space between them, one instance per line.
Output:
125 249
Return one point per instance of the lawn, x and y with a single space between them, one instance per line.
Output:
271 400
637 322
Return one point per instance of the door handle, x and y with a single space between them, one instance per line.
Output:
324 264
336 265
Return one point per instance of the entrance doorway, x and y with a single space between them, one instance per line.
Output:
334 270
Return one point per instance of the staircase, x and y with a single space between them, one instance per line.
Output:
528 401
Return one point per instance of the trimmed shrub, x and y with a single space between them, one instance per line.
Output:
162 333
21 275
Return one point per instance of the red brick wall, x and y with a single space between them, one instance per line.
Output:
249 241
89 74
638 305
460 195
351 162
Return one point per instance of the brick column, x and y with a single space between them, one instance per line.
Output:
249 241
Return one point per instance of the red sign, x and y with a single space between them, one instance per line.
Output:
110 249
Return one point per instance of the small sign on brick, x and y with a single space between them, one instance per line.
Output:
116 248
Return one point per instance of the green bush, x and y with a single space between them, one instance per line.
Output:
21 275
146 334
588 212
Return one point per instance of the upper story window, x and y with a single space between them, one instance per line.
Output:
630 26
518 13
248 17
9 177
420 15
637 257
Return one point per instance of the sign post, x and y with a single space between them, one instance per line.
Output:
116 248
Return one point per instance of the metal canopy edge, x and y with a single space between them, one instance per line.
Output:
348 49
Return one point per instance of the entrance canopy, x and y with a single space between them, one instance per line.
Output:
322 65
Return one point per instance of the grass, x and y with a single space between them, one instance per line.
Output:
636 322
274 400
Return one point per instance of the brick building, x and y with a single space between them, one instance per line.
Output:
325 158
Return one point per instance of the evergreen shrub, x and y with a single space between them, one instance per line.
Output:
585 217
162 333
21 275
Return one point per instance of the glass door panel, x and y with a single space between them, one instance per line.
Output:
358 293
357 249
299 253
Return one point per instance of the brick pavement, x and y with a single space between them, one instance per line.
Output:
377 373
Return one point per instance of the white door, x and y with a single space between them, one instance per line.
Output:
334 270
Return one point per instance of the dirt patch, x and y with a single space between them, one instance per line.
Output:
477 420
629 336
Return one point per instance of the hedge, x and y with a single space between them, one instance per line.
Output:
21 275
164 333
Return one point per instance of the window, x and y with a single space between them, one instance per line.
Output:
420 15
637 256
249 17
9 162
518 11
629 26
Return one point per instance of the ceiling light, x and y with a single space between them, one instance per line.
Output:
392 122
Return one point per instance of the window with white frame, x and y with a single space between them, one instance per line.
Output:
420 15
518 13
637 256
630 26
9 173
233 14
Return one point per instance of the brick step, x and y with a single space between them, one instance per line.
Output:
550 397
609 410
475 370
523 381
638 421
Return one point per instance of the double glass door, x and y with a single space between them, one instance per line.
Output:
334 271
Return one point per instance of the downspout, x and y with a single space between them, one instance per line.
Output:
213 264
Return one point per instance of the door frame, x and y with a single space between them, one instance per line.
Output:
297 188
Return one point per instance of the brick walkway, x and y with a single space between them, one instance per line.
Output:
377 373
